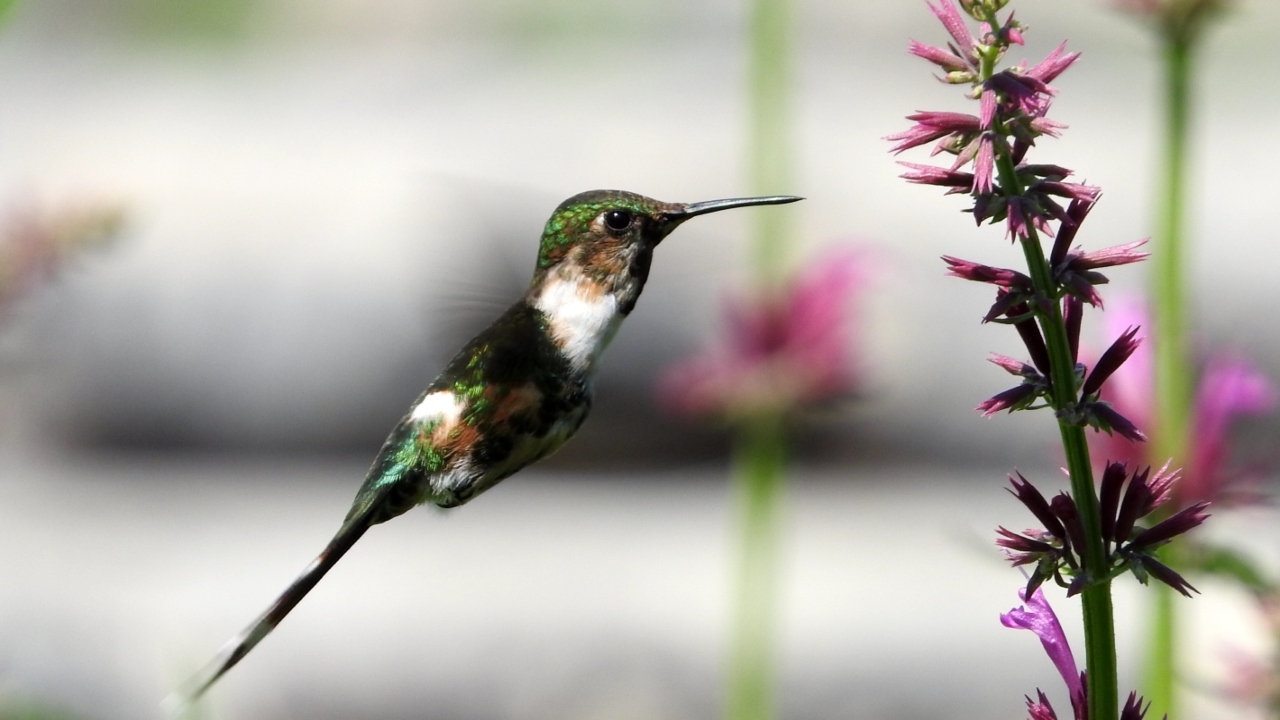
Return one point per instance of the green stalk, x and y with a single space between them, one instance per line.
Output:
760 461
1172 363
1099 618
769 149
761 442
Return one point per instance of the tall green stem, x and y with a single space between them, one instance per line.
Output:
761 441
760 460
1099 620
1172 363
769 149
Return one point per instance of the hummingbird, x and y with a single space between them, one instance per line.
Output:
515 393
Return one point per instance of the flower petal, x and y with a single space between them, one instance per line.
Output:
1038 617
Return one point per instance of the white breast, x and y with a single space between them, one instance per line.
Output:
583 319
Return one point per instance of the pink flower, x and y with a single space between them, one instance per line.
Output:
1229 387
1038 617
35 243
1172 7
780 351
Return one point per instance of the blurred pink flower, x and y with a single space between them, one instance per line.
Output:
1181 21
1230 386
1168 7
35 243
778 351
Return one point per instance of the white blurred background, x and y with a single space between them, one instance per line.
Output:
325 198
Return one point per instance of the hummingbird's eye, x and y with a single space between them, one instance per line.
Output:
617 220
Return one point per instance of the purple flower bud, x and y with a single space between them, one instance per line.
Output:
1109 497
1040 709
984 165
1144 564
930 126
947 13
1171 527
1160 488
987 109
1012 366
1029 331
1072 316
1111 361
1077 585
1081 287
1023 544
1076 212
930 175
1002 277
1133 708
938 56
1071 191
1136 497
1045 126
1028 495
1006 303
1043 172
1053 65
1022 214
1015 398
1108 257
1104 417
1022 90
1065 509
1012 32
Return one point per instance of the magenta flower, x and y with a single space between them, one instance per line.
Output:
1037 616
779 352
1056 551
1230 387
1012 105
955 128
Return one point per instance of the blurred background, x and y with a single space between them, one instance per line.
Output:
311 204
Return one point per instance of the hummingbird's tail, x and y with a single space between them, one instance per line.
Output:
240 645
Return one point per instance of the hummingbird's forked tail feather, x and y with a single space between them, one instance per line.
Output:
240 645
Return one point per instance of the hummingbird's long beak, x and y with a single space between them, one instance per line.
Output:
710 206
680 213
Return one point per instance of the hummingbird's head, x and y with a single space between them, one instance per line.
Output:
608 236
594 259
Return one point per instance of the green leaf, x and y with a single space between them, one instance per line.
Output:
1227 563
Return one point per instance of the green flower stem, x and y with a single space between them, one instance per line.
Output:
1099 618
761 440
1160 685
760 461
1172 363
769 150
